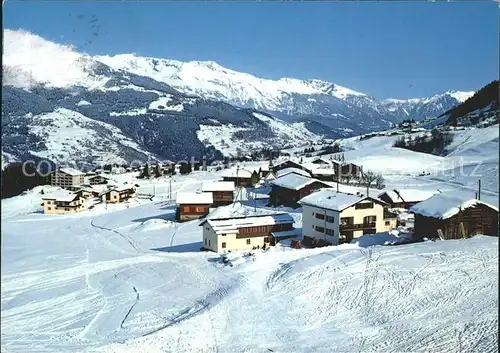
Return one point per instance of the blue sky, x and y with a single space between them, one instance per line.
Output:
397 50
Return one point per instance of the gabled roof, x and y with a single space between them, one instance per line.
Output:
234 172
71 171
194 198
229 219
293 181
408 195
270 177
61 195
330 199
444 206
321 159
218 186
238 210
286 171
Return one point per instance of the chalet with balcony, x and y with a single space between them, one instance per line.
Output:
67 178
241 177
222 192
95 179
331 217
448 216
193 205
405 198
63 202
239 227
289 189
118 194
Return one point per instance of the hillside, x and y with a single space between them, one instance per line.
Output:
68 105
482 108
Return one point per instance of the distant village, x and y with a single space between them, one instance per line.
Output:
333 212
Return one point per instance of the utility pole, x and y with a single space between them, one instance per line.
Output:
170 188
479 190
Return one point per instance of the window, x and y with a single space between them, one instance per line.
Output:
186 208
363 205
330 232
66 209
48 208
223 245
205 241
330 219
320 229
320 216
198 209
387 223
209 242
248 241
369 219
223 235
267 239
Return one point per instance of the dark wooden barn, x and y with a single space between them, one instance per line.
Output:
451 217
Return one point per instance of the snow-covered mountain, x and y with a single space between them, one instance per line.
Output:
130 107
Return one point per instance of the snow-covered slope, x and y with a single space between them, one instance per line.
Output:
110 282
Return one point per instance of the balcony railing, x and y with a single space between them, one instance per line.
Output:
352 226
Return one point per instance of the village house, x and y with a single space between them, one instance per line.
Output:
241 177
322 162
118 194
264 171
239 227
289 164
268 179
63 202
405 198
331 217
66 178
222 192
289 189
350 171
453 217
193 205
95 179
88 192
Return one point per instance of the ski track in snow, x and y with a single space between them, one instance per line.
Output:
107 281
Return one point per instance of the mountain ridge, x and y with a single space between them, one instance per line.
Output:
159 105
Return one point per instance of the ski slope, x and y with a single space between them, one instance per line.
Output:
130 280
127 278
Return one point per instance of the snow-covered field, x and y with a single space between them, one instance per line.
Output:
129 279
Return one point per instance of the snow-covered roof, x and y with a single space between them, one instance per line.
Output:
332 200
61 195
286 233
323 171
445 205
321 159
293 181
408 195
286 171
270 177
218 186
71 171
234 172
229 219
194 198
238 210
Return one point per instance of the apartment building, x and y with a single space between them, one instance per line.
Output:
67 178
332 217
